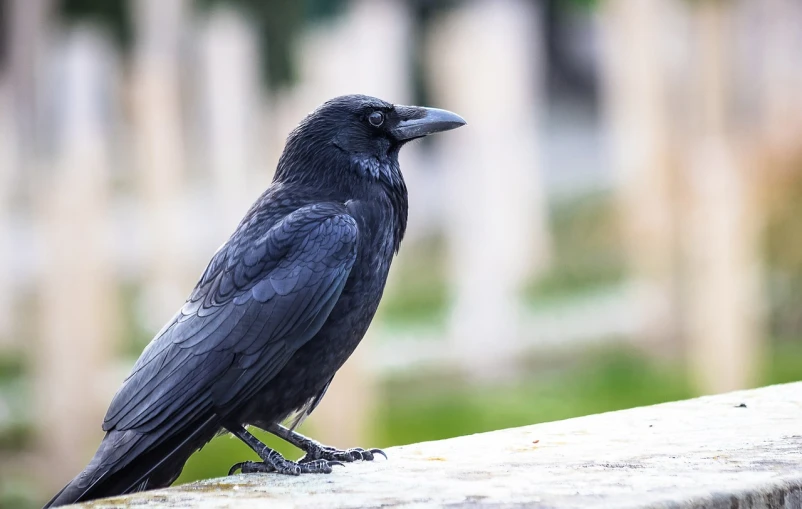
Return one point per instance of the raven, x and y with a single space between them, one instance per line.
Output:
280 307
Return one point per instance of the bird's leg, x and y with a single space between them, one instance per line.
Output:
315 451
272 461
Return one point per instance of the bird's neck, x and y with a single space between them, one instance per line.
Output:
333 174
392 183
381 179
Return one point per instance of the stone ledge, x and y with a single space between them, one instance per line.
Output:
737 450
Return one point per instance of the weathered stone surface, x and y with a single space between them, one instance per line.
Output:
738 450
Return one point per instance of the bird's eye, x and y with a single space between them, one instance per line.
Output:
376 118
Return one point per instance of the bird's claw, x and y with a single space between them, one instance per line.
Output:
378 451
338 455
359 453
249 467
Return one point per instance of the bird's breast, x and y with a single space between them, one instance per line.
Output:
351 316
376 225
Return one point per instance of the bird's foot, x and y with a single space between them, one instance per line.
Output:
272 461
284 466
317 452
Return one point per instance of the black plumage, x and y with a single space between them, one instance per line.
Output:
280 307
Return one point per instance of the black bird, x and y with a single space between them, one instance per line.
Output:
280 307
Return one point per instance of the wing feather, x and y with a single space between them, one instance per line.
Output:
260 299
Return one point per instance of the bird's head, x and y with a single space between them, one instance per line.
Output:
363 131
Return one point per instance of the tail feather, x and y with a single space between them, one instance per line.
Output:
61 495
128 462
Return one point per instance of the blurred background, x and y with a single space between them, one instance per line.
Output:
620 223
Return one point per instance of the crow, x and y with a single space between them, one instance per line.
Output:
280 307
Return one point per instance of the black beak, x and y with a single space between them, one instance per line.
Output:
417 122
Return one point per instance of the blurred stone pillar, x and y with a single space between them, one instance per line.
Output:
497 228
722 240
76 290
638 112
231 102
159 144
365 51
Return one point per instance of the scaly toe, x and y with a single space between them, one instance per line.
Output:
288 468
346 456
318 466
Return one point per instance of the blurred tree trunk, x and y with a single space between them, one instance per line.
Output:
780 75
771 65
159 138
77 292
231 102
8 161
686 196
28 22
722 239
496 218
638 111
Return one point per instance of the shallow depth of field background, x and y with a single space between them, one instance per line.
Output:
619 224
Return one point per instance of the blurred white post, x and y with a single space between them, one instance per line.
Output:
160 151
7 166
231 105
496 226
635 72
722 232
344 57
78 308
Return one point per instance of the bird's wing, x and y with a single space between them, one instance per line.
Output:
258 302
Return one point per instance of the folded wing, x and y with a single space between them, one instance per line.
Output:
262 297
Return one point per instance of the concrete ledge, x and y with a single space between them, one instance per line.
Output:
738 450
